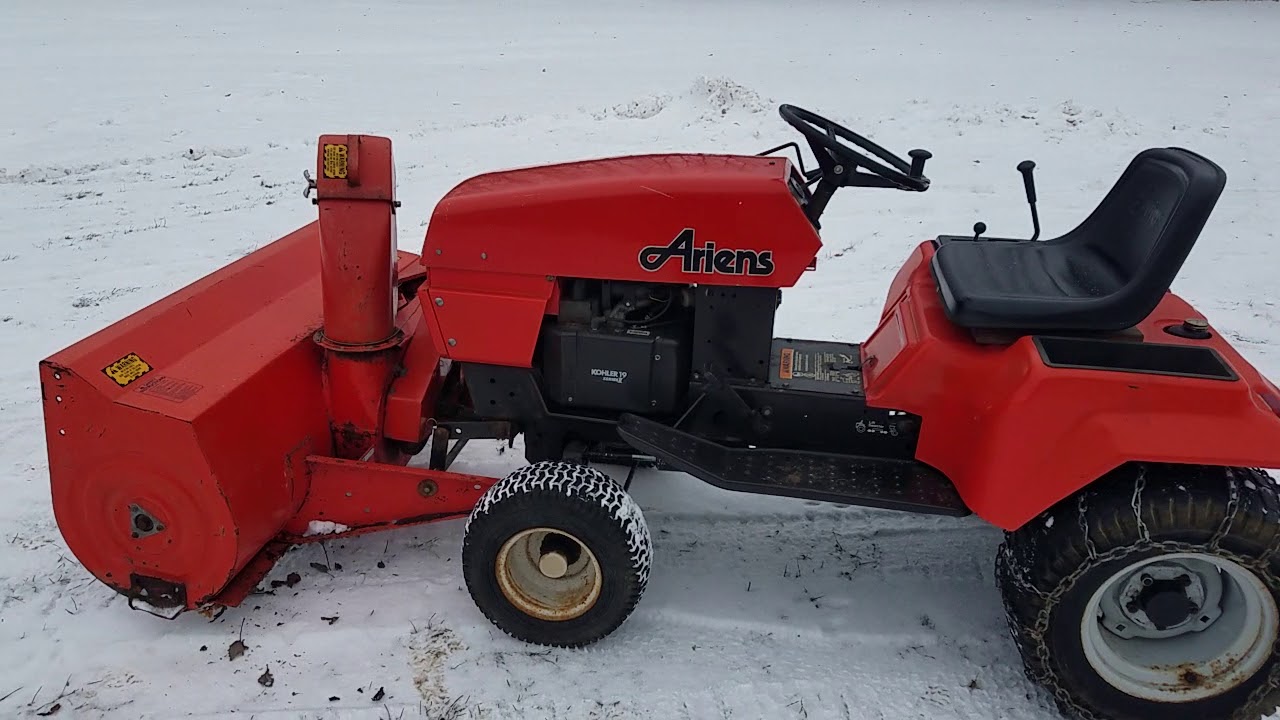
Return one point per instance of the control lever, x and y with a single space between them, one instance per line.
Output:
918 157
978 229
1027 167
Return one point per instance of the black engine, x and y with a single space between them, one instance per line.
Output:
619 346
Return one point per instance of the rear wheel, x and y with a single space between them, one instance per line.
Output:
556 554
1153 593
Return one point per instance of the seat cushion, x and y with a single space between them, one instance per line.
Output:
1105 275
1026 285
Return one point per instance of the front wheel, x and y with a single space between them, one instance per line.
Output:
556 554
1153 593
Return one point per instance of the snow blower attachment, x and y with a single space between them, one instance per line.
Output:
190 442
621 312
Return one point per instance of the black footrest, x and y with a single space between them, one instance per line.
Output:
850 479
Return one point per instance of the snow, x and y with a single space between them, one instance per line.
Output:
146 144
324 527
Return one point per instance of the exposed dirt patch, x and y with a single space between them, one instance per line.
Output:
430 646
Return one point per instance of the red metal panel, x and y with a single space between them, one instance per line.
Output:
523 284
206 429
593 219
103 458
490 318
499 329
1016 436
411 399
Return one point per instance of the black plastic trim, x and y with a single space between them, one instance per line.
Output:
1133 357
886 483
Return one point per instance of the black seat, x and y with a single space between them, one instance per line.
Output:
1107 274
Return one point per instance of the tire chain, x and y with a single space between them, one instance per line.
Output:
1256 705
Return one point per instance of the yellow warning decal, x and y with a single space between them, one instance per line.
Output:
335 162
127 369
785 361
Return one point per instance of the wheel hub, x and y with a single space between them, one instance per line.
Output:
1166 604
553 565
548 574
1164 599
1180 627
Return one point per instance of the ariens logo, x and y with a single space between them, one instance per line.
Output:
706 259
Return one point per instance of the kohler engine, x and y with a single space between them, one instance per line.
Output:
619 346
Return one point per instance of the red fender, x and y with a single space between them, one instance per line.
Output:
1016 435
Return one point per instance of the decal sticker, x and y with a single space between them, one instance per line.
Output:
613 376
171 389
335 162
706 259
822 366
127 369
876 428
785 362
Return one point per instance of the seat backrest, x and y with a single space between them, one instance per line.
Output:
1145 227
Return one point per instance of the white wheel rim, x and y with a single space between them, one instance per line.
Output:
1227 635
548 574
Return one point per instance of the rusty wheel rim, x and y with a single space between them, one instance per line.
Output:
1141 640
548 574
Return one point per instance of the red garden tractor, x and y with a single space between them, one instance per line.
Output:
620 312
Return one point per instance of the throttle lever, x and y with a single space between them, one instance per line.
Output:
1027 167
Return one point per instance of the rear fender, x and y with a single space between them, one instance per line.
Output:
1017 435
1027 461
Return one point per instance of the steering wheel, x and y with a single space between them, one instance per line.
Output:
838 161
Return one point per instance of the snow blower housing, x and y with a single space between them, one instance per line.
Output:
620 311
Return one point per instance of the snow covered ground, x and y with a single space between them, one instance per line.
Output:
146 144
